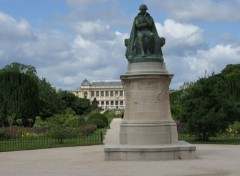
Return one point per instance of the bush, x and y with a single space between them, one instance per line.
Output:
99 117
88 129
7 133
4 134
234 128
65 133
98 122
81 121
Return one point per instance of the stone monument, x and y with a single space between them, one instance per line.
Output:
147 131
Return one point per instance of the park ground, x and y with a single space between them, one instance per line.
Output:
212 160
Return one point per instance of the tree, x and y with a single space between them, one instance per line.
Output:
50 102
175 101
78 105
94 105
212 103
18 95
21 68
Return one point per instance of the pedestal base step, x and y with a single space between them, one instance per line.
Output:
181 150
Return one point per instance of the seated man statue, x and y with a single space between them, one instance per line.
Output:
144 40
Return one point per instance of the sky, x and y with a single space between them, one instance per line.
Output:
70 40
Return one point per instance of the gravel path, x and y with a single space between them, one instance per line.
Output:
213 160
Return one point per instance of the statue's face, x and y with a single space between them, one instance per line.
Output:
143 10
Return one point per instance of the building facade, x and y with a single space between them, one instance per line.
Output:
109 93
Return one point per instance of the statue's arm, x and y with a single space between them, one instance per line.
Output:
148 23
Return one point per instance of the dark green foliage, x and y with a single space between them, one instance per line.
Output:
175 101
19 96
61 127
78 105
88 129
4 135
98 122
50 102
21 68
211 104
98 119
94 104
98 115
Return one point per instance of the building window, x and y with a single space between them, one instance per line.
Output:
107 103
121 102
121 93
102 93
92 93
112 103
116 93
116 102
107 93
111 93
97 93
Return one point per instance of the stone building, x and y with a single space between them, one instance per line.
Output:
109 93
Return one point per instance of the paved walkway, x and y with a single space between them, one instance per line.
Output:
213 160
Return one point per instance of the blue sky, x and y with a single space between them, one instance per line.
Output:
70 40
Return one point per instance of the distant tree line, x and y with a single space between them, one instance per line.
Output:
23 96
210 105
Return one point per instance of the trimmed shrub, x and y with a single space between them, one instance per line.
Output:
98 116
98 122
88 129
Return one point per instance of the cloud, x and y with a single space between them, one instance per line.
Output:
92 10
190 68
188 56
181 38
11 29
204 10
94 48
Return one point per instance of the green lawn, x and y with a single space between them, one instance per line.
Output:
219 139
48 142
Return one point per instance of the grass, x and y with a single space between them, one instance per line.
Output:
48 142
219 139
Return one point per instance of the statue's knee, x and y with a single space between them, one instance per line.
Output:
151 35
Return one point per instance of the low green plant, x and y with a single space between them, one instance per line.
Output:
4 134
234 128
88 129
98 122
98 119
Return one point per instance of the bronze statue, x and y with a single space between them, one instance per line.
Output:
144 41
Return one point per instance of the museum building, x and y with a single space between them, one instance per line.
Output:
109 93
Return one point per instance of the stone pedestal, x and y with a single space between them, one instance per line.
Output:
147 131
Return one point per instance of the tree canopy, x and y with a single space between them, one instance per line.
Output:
19 97
211 104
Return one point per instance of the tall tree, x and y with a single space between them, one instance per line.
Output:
50 102
19 96
21 68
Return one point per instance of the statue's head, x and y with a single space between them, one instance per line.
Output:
143 7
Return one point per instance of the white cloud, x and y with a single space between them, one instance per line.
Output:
191 68
185 33
11 29
204 10
95 48
91 27
181 38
